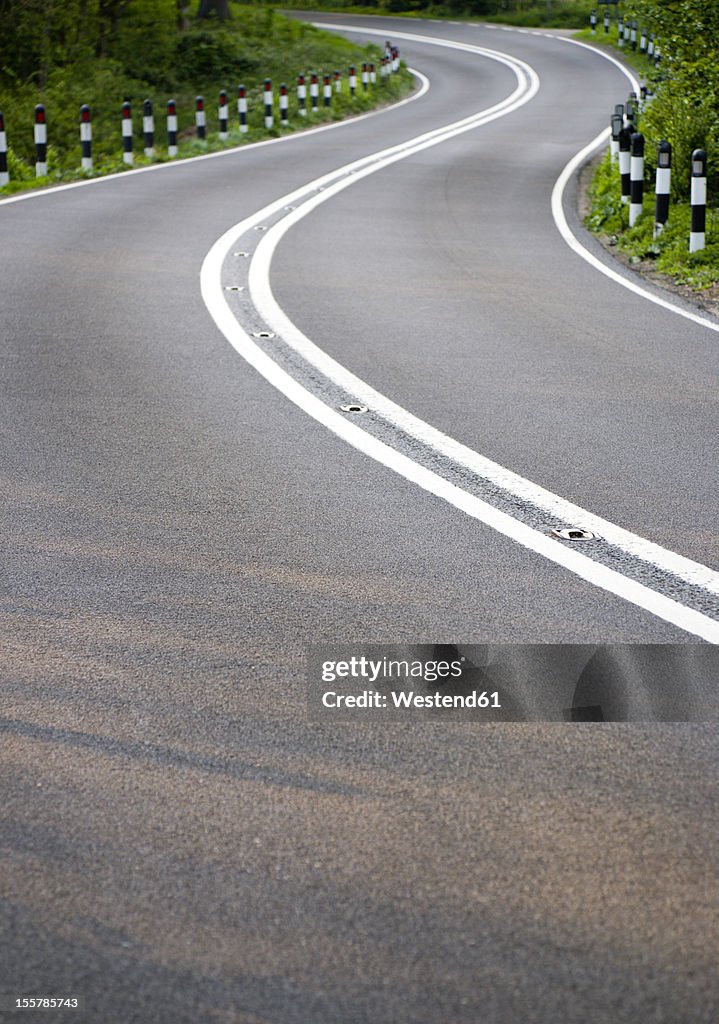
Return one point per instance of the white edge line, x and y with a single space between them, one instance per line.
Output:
582 566
571 239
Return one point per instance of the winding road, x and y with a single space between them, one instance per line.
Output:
187 508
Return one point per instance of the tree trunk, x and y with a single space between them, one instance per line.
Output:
218 7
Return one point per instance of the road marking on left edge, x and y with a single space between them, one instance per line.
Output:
593 572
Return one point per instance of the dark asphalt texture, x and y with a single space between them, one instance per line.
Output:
179 843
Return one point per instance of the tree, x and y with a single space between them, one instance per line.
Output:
219 7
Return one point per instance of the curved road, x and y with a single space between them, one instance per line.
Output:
179 842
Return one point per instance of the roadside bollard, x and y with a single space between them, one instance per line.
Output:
662 187
620 31
127 154
650 45
338 82
365 77
643 42
242 107
372 75
148 128
625 144
200 118
302 96
269 119
636 178
4 175
327 89
171 128
633 35
314 92
353 80
40 142
395 58
593 22
223 116
606 22
617 123
697 235
284 103
85 138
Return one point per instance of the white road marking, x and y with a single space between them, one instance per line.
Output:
573 242
595 573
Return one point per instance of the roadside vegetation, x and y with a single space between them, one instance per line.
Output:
683 109
530 13
65 53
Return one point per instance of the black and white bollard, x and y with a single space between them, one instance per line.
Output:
617 123
631 111
4 175
327 89
127 154
662 187
365 77
223 116
620 31
85 137
148 128
650 46
636 178
284 105
643 42
242 108
625 145
606 22
40 142
171 128
269 119
338 82
697 235
200 118
633 35
593 22
314 92
353 80
301 96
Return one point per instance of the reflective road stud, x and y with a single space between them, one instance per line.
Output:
697 236
171 128
148 127
636 177
242 107
40 142
200 119
4 176
127 154
662 187
86 137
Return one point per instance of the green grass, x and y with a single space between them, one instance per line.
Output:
259 44
669 253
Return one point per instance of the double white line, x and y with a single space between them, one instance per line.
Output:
319 191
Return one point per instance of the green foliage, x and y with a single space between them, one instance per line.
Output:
147 54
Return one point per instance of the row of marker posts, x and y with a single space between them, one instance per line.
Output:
389 64
629 34
627 149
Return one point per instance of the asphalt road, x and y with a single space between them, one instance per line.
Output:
179 842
